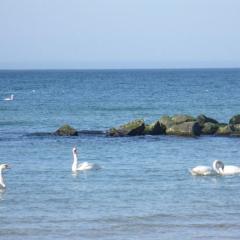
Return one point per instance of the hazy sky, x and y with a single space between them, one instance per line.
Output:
119 33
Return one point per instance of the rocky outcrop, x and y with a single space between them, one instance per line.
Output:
223 130
156 128
179 125
133 128
202 119
235 127
66 130
190 129
209 128
166 121
235 120
181 118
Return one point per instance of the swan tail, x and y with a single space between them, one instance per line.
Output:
192 172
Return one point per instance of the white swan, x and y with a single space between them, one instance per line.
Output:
206 170
202 171
82 166
9 98
2 168
223 170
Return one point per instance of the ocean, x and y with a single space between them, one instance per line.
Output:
144 189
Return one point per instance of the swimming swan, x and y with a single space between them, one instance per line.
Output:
2 168
9 98
202 171
82 166
217 166
223 170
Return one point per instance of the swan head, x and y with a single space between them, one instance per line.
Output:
4 166
74 150
218 166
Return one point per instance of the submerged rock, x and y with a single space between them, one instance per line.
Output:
209 128
185 129
133 128
235 119
66 130
156 128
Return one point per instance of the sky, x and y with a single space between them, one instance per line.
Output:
102 34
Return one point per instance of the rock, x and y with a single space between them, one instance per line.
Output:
235 120
235 128
209 128
223 130
185 129
66 130
177 119
133 128
202 119
155 128
166 121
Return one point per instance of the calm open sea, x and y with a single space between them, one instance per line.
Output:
144 190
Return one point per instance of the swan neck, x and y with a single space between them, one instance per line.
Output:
214 167
75 162
1 179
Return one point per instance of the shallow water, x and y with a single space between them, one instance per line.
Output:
144 190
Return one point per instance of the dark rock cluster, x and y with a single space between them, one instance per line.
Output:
179 125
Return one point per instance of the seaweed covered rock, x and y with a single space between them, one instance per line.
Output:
209 128
166 121
66 130
156 128
235 128
235 119
202 119
185 129
133 128
224 130
181 118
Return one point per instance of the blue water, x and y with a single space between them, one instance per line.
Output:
144 190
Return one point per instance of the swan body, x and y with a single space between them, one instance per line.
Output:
202 171
2 168
9 98
223 170
82 166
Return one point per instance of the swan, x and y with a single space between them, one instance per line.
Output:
82 166
223 170
206 170
202 171
9 98
2 168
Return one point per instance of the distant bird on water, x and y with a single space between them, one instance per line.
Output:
9 98
2 168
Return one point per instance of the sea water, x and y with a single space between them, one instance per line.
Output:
144 189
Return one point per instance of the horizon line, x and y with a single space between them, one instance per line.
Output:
116 69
